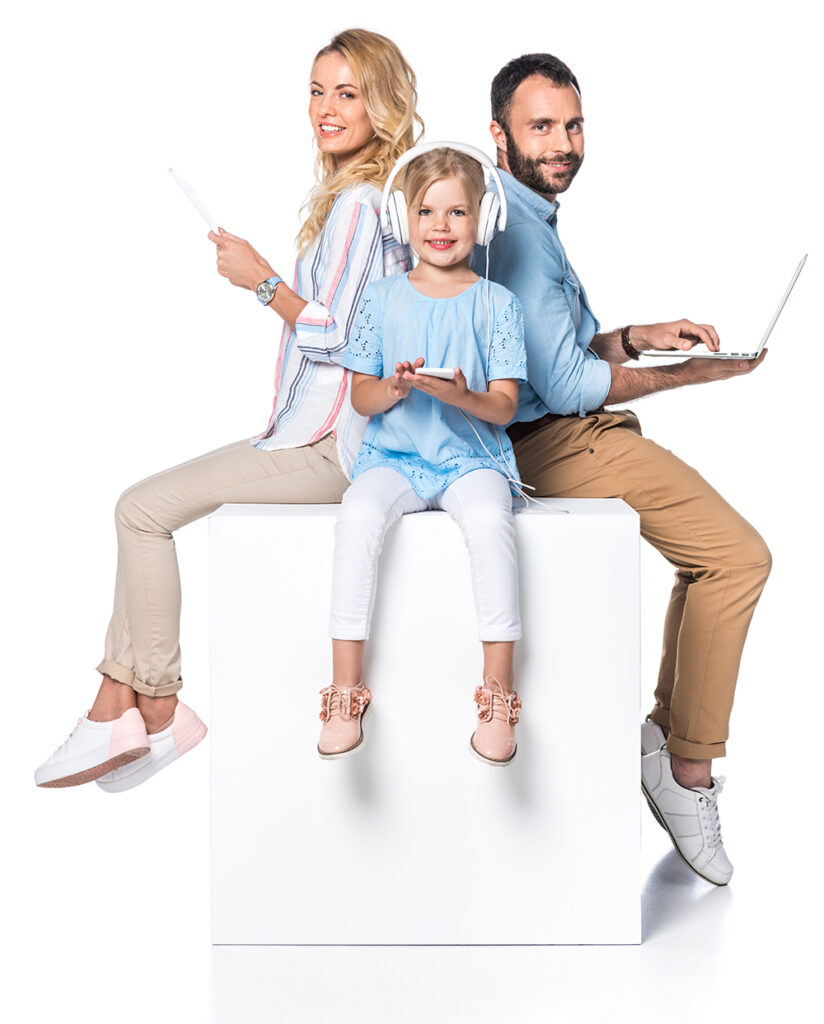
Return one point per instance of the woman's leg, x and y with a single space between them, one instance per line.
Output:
142 648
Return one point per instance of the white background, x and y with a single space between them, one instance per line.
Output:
125 353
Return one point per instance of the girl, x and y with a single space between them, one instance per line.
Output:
362 98
432 443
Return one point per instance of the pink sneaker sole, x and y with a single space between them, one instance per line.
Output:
91 774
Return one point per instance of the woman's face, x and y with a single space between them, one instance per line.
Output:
339 119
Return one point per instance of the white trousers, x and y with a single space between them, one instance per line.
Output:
479 502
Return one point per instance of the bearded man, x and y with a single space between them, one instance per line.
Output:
568 444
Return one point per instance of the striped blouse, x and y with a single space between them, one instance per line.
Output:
311 386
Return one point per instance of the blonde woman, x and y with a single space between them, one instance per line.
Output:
362 97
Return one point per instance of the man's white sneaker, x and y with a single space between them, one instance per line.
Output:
690 816
185 731
94 749
652 737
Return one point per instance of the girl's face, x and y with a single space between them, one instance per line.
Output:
442 228
339 119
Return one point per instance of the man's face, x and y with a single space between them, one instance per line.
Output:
543 142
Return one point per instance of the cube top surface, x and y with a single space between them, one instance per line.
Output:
554 507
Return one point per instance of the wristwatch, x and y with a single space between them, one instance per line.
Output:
266 289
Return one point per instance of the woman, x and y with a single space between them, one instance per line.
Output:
362 109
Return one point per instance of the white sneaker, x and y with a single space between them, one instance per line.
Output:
652 737
690 816
94 749
185 732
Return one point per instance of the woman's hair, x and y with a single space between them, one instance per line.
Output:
437 164
388 89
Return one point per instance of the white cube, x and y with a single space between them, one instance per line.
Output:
413 840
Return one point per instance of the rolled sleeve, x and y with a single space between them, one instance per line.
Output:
351 256
566 377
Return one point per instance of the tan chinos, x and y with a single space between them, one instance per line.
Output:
721 562
142 643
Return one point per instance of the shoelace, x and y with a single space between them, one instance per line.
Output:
65 742
497 703
341 701
709 812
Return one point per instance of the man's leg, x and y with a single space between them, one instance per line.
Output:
721 561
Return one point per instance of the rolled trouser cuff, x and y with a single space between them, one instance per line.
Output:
122 674
696 751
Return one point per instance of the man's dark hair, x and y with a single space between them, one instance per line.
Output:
512 74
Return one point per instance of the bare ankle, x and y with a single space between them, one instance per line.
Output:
113 698
157 712
691 772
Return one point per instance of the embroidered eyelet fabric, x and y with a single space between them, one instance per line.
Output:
427 441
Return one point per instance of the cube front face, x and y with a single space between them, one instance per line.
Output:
413 840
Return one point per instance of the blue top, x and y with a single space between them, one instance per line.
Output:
427 441
565 376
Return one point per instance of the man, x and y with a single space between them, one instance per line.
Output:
567 445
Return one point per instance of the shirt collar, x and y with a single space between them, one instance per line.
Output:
545 209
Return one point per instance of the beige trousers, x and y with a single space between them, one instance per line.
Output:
142 643
721 562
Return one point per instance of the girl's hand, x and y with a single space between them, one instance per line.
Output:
399 384
238 261
452 392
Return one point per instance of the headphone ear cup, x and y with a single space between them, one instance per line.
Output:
398 217
488 218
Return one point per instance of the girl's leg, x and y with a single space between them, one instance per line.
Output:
498 657
375 500
481 504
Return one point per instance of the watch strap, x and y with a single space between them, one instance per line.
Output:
628 347
274 281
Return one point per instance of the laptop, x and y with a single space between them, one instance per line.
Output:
671 353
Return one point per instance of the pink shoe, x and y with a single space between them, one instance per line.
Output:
342 712
494 739
94 749
184 732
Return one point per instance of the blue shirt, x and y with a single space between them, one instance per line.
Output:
565 376
427 441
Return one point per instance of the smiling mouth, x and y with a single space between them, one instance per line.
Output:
330 129
558 166
440 243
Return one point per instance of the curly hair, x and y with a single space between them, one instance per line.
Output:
388 88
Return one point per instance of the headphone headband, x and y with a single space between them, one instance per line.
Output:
425 147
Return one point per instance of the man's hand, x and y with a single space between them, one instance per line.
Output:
702 371
679 334
637 381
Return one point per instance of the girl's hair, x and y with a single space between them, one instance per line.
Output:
437 164
388 89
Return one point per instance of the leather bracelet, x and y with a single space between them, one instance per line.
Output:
628 347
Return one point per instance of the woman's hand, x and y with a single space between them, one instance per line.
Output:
237 260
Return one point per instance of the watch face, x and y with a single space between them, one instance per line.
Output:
265 291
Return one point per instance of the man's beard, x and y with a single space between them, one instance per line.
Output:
531 172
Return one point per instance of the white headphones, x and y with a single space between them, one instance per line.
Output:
492 214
